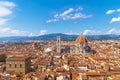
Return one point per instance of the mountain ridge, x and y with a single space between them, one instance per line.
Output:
64 37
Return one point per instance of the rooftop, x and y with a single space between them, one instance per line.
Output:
81 39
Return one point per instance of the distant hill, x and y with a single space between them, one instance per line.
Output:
63 37
54 36
103 37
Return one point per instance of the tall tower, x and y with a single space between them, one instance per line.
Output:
58 44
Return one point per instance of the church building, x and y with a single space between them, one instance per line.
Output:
81 44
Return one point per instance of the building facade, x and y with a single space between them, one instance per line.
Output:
19 64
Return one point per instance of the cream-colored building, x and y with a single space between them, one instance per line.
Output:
19 64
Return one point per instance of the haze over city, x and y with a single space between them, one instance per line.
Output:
39 17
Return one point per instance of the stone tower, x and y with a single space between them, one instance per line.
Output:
58 44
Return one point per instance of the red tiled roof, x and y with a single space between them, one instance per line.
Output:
81 39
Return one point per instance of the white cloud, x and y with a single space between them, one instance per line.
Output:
118 10
72 33
43 32
3 21
7 4
110 11
11 32
114 31
6 9
69 14
4 30
115 20
96 32
51 20
79 15
87 32
79 9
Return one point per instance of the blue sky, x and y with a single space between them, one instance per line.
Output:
39 17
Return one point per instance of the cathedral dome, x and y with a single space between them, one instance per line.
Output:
81 39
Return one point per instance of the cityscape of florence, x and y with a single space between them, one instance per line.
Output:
59 40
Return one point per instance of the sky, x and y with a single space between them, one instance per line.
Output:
40 17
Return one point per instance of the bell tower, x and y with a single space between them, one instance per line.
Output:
58 44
